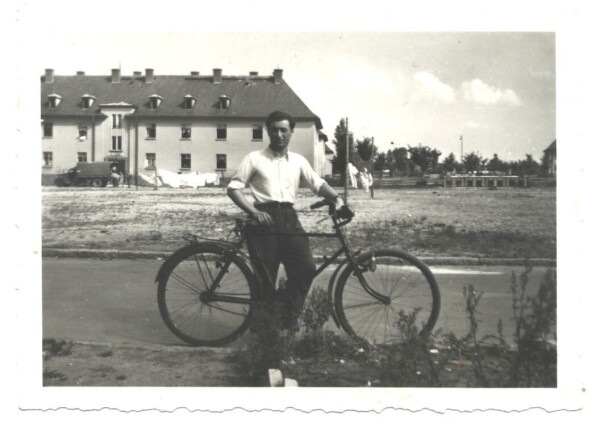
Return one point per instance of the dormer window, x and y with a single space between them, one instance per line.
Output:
87 101
224 102
54 100
189 102
155 101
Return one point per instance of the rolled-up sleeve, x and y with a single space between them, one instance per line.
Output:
310 177
242 175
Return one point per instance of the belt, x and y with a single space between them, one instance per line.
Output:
275 204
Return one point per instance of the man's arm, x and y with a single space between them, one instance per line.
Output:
240 200
327 192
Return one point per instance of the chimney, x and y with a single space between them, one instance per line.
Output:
254 73
49 75
195 73
149 75
278 76
137 74
81 73
116 75
217 75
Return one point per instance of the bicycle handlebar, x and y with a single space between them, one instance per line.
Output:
345 213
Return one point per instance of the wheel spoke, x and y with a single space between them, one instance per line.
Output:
398 277
190 317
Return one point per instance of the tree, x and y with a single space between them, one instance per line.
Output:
339 160
424 157
365 149
380 163
390 162
450 164
497 164
528 167
473 162
400 156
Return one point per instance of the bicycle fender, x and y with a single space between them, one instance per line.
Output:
175 255
331 289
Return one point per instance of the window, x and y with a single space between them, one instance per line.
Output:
189 102
87 101
83 129
155 101
54 100
82 156
48 128
186 131
222 132
221 161
151 131
224 102
186 161
117 121
47 159
150 160
257 132
117 143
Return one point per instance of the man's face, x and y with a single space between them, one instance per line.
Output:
280 134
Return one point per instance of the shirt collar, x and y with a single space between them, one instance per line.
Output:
272 154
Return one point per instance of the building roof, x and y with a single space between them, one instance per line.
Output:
551 147
250 96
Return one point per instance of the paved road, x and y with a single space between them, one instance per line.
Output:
114 301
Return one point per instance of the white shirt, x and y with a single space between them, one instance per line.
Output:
274 178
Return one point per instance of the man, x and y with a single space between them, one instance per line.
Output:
115 176
274 176
367 181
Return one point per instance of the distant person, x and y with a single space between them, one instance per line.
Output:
274 176
116 176
352 172
367 181
361 179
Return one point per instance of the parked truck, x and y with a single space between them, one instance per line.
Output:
95 174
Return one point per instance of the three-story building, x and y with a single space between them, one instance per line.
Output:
191 123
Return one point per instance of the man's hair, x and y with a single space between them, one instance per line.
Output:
280 116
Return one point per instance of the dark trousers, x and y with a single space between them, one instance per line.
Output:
295 254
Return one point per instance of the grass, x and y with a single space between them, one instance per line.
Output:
460 222
316 357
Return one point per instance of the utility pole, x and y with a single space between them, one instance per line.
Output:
372 186
346 160
155 176
372 154
462 171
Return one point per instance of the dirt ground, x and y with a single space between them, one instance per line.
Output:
506 223
78 364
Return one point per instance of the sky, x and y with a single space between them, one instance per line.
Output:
495 89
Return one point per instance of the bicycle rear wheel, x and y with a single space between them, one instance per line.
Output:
409 286
191 312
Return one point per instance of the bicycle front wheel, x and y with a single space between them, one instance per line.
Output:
205 294
408 289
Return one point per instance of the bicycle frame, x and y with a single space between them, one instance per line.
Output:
263 276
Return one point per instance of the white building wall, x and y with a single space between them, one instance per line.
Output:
204 145
64 145
168 145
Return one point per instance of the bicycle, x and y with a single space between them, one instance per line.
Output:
208 289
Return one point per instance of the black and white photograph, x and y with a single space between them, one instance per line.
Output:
334 217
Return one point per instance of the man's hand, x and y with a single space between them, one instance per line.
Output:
342 210
263 218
